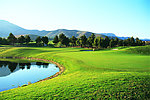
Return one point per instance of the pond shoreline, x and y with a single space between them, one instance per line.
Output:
61 68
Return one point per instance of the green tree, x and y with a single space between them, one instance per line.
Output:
66 41
89 42
61 37
73 40
92 38
83 40
112 43
78 42
45 40
137 41
55 40
120 43
21 39
106 42
143 42
27 39
128 42
12 39
5 41
1 40
125 42
132 41
100 42
140 42
38 40
95 42
116 41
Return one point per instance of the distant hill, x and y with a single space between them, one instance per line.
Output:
145 39
70 33
108 34
112 35
7 27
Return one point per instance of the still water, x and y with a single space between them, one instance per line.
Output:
15 74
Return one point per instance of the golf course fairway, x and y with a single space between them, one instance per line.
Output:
103 74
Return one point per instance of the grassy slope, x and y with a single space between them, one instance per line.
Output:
99 74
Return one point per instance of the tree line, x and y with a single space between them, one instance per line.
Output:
95 42
11 40
61 40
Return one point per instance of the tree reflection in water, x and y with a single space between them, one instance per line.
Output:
12 65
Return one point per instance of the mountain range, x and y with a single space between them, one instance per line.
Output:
7 27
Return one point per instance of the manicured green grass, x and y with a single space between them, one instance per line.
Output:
106 74
16 60
140 50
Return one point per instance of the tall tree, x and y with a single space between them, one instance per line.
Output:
100 42
128 42
83 40
78 42
112 43
116 40
140 42
120 43
137 41
38 40
106 42
1 40
55 41
21 39
27 39
73 40
5 41
143 42
12 39
125 42
92 37
89 42
63 39
45 40
132 41
95 42
66 41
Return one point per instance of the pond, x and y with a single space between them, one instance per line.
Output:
86 50
13 74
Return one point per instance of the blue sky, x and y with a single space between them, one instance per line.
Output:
122 17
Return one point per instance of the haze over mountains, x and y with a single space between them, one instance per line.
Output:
7 27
